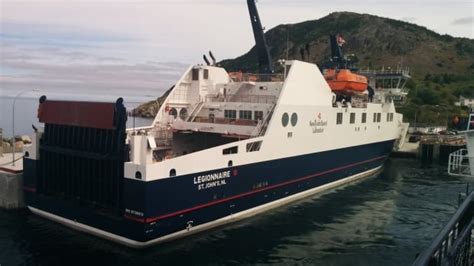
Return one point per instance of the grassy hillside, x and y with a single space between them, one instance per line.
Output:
376 42
442 66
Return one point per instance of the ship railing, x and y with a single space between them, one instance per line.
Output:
250 98
251 77
452 245
196 109
262 125
403 72
227 121
459 163
163 136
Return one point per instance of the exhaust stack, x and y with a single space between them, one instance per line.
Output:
206 60
213 58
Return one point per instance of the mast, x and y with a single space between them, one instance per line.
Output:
263 54
337 55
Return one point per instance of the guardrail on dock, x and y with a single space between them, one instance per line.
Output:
452 245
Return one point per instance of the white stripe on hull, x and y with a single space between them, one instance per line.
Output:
199 228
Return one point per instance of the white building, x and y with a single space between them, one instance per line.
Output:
464 101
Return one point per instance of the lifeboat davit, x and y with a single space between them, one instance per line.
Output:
343 80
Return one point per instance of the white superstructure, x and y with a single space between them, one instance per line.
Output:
212 121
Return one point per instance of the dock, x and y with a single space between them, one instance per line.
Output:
11 181
431 148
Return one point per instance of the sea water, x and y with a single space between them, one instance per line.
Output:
386 219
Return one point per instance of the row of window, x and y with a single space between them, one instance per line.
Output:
251 147
195 74
376 118
243 114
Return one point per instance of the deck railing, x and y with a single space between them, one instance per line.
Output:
452 245
458 164
228 121
250 77
251 98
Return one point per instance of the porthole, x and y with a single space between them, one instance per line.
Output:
230 163
27 154
285 119
294 119
173 172
138 175
183 113
173 112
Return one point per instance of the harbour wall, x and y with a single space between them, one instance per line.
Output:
11 192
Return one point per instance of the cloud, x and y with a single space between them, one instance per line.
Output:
65 70
464 21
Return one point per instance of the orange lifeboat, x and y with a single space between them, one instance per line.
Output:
343 80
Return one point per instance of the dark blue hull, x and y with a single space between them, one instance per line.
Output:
155 209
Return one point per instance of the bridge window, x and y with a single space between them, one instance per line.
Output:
379 117
339 118
206 74
364 118
245 114
258 115
195 74
352 118
375 117
231 114
388 117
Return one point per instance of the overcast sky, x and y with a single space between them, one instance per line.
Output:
141 47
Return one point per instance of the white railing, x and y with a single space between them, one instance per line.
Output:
251 98
196 109
250 77
398 71
262 125
459 163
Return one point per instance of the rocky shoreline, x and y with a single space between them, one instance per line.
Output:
151 108
20 143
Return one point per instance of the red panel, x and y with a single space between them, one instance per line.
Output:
82 114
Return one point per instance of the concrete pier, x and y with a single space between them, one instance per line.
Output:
11 182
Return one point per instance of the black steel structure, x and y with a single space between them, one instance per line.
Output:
263 53
81 162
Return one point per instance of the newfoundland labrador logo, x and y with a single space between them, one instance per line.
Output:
318 124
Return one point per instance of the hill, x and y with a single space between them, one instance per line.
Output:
376 41
442 66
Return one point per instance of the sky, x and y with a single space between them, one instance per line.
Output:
142 47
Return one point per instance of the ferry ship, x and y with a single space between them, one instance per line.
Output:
223 147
